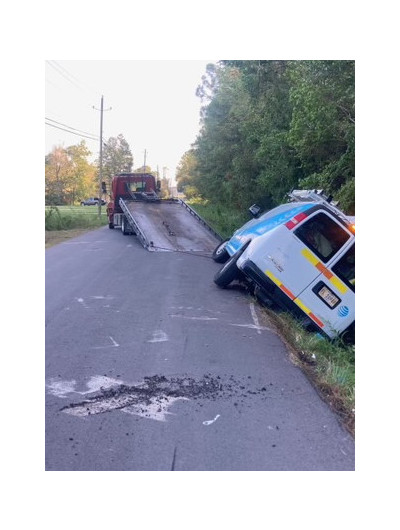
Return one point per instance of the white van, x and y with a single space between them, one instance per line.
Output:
305 264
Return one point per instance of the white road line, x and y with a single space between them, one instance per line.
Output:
194 318
82 302
255 318
252 326
159 336
209 422
114 343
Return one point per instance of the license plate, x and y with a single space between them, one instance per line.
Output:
328 296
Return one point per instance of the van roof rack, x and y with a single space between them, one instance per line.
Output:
317 196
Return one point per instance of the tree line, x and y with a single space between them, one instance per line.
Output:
270 126
70 177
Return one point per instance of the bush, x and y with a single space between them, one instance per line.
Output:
223 220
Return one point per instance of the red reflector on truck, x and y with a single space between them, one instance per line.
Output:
295 220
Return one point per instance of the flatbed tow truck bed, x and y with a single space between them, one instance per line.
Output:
171 225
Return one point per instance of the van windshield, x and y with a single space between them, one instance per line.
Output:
322 235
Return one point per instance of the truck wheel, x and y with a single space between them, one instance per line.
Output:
124 229
229 271
220 254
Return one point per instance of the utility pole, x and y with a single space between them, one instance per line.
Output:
101 154
144 167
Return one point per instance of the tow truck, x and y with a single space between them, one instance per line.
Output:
168 224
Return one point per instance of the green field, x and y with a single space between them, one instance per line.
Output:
71 217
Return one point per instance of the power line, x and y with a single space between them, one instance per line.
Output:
69 77
59 71
73 128
94 138
71 132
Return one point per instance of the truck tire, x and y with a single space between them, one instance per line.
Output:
124 226
220 254
229 271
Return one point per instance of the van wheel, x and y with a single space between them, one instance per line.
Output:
229 271
348 335
111 225
220 254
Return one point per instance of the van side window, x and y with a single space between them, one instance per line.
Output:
345 268
322 235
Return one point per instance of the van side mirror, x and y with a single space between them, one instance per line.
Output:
255 210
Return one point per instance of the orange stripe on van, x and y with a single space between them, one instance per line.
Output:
286 291
316 320
280 284
323 270
297 301
308 312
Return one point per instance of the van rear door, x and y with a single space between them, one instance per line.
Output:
302 258
331 296
297 256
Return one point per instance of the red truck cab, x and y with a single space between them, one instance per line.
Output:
129 186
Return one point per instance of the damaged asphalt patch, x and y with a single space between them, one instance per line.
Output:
153 397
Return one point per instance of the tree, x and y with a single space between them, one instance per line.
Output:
69 177
269 126
58 169
242 151
117 158
185 173
83 182
219 138
323 126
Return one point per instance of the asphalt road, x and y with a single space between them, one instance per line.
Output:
149 366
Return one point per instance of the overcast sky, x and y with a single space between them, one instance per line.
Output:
153 105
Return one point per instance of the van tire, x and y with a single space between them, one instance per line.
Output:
111 225
348 335
229 271
220 254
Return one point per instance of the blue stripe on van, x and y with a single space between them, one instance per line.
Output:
258 227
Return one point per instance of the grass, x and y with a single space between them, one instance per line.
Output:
66 222
222 220
73 217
